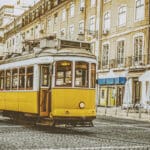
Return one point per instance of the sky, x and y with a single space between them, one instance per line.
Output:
11 2
3 2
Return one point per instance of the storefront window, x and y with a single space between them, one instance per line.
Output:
14 78
1 80
81 74
29 78
93 75
21 78
64 73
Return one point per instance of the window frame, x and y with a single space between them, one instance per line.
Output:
93 75
20 75
139 7
2 78
86 80
13 78
122 15
64 73
28 75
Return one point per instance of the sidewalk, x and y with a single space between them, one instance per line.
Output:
124 113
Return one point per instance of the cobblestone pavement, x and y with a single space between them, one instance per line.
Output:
107 133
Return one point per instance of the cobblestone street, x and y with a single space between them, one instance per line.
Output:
107 133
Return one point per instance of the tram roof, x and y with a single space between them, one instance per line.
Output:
47 55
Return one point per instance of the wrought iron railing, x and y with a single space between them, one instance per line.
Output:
131 61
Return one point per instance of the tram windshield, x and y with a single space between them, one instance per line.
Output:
63 73
82 74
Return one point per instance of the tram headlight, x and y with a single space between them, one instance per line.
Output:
82 105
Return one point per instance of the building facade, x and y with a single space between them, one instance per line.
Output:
75 20
124 52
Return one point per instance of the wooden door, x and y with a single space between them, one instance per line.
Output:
45 90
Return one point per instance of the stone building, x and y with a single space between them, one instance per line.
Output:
75 20
124 52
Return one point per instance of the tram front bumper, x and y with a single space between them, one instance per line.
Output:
82 114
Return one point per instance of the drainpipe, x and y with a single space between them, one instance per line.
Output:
97 45
149 35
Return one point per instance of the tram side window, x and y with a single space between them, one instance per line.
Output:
81 74
1 80
22 78
63 73
8 79
29 82
14 78
93 75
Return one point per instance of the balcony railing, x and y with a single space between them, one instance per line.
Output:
129 62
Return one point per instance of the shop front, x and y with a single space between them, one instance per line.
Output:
111 91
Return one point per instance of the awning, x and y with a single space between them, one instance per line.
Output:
112 79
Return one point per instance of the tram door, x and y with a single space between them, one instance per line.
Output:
45 90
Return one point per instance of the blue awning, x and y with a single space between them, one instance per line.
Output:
112 81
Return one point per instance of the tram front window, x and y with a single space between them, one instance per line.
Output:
93 75
81 74
63 73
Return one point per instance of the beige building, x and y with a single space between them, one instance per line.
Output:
124 52
69 19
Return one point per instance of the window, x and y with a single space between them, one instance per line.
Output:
139 10
72 10
1 80
22 78
93 3
122 16
8 79
63 33
81 27
106 1
103 94
81 74
105 55
64 15
71 31
14 78
93 75
29 82
92 24
63 73
120 52
55 18
82 3
138 48
45 75
107 21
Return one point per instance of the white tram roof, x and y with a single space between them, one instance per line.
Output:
48 56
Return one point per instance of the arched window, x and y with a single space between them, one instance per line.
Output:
107 21
139 10
122 16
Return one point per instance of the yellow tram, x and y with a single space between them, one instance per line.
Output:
55 82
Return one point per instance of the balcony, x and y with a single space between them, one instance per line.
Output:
128 62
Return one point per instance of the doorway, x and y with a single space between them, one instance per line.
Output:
45 90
